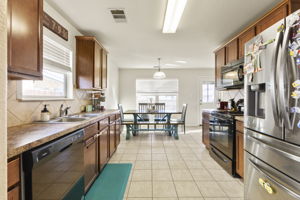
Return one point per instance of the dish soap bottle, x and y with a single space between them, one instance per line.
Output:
45 114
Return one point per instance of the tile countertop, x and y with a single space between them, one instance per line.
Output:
28 136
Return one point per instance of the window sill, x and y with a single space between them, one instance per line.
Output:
45 99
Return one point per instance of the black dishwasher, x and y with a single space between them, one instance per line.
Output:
55 171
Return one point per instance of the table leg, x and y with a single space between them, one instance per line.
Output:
168 124
135 126
127 132
176 132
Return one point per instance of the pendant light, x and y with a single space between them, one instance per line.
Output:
159 74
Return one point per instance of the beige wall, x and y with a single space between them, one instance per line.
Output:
189 88
3 98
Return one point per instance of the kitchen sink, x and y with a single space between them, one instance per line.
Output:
89 115
69 119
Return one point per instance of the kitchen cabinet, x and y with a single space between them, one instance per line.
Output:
219 62
112 137
232 51
13 179
25 39
272 18
205 129
91 64
244 38
14 194
104 69
103 148
91 156
240 148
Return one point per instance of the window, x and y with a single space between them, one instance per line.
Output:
57 75
158 91
208 92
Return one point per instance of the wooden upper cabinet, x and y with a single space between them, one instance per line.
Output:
91 64
244 38
25 39
219 62
232 51
276 15
104 69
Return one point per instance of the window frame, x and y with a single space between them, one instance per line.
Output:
53 67
207 83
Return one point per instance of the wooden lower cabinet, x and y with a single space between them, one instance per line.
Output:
90 161
205 129
103 148
240 153
112 138
14 194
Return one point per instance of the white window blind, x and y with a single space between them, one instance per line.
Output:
56 54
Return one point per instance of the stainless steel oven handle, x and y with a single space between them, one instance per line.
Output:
267 174
284 153
273 80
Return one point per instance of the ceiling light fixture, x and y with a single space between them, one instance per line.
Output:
159 74
173 15
181 61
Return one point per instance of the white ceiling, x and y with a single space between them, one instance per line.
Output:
204 26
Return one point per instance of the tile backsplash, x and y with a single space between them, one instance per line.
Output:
22 112
229 94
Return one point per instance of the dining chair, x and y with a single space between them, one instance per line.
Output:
181 121
120 107
143 107
159 107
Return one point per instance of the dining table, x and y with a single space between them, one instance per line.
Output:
165 121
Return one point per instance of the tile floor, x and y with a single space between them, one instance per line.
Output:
168 169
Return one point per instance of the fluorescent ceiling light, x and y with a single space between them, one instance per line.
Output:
173 15
181 61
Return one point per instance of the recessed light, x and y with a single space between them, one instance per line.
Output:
181 61
173 15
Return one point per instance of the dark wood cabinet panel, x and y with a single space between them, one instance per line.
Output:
91 154
272 18
240 153
112 138
244 38
104 69
103 148
205 129
25 39
13 172
232 51
219 62
91 64
14 194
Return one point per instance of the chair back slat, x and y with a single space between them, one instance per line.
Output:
143 106
184 109
120 107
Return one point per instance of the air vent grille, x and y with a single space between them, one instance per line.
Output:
118 15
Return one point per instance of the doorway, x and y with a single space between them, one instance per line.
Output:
207 96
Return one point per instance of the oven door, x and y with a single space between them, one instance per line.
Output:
263 182
221 134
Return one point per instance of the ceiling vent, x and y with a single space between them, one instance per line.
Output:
118 15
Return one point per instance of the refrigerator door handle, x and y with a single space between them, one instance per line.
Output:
273 80
284 77
269 176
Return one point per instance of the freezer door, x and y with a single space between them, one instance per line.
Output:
263 182
277 153
288 74
261 105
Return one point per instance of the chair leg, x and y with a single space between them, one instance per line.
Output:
184 128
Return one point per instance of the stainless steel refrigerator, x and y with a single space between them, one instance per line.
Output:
272 112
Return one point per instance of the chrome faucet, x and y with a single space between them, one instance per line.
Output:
63 112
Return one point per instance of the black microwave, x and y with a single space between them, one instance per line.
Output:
232 76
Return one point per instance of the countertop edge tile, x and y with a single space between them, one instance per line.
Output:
28 136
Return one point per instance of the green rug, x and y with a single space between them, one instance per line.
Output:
111 184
